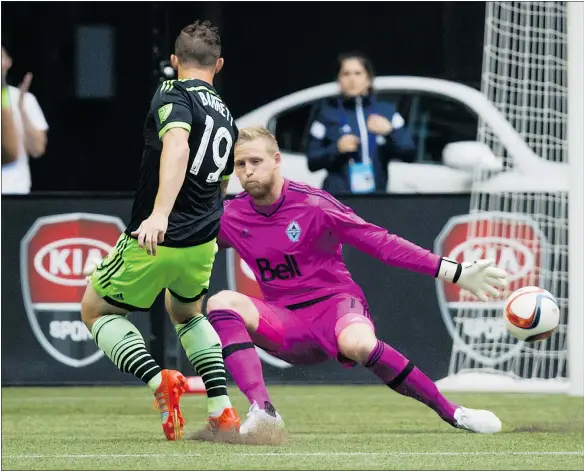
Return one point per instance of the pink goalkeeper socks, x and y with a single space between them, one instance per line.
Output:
400 374
240 356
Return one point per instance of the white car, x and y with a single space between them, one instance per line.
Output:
443 117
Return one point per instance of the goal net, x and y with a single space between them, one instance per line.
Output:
519 216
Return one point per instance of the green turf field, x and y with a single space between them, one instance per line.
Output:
329 427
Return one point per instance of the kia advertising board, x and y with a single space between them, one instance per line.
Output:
47 244
54 254
517 244
50 241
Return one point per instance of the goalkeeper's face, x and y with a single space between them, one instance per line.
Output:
257 165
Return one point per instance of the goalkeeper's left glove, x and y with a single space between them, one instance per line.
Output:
478 277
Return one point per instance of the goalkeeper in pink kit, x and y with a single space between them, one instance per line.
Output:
291 236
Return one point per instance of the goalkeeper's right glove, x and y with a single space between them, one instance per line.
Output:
478 277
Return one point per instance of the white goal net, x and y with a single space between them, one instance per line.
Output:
519 215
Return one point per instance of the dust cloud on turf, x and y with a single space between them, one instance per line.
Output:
263 436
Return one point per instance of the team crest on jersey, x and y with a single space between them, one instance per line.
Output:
164 112
293 231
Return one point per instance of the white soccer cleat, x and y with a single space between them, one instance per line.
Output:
261 418
478 421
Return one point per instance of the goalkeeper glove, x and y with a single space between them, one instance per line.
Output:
478 277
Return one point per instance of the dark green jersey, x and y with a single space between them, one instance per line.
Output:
193 105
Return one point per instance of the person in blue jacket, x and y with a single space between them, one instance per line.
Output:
354 136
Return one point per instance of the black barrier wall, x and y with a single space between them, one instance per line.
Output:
47 241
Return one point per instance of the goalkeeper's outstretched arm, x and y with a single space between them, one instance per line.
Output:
480 277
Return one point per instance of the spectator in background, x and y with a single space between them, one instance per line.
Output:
31 129
9 137
354 136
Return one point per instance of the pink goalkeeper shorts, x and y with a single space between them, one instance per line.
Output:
307 335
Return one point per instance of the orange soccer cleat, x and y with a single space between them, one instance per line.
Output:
167 401
228 421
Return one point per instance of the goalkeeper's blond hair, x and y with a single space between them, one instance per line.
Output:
258 132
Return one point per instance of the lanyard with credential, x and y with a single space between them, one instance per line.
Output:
345 128
361 178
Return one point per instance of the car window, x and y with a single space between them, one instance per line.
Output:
434 121
448 121
290 128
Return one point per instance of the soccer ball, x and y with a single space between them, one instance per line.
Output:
531 314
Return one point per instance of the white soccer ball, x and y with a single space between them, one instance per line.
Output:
531 314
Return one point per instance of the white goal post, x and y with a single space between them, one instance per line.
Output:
576 196
521 215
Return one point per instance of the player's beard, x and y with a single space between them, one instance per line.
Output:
257 190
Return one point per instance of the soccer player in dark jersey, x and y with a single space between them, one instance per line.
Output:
291 237
170 242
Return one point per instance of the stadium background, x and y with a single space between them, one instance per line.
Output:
271 49
101 156
439 39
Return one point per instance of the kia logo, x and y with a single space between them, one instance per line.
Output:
54 254
511 255
471 323
64 261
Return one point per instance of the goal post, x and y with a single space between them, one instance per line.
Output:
576 196
521 215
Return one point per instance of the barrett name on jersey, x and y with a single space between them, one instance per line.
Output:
193 105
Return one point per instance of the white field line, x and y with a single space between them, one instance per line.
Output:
64 399
320 454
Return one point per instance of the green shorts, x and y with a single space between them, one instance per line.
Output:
131 279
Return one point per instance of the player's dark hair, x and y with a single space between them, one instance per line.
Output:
198 43
363 60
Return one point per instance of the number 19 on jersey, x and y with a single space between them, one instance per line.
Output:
220 158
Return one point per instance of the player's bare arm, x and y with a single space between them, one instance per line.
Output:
173 167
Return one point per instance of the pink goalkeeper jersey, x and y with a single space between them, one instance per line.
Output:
294 246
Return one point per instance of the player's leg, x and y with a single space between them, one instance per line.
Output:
198 338
126 281
203 349
356 340
237 320
118 338
234 317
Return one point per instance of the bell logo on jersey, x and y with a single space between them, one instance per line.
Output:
54 255
293 231
282 271
517 245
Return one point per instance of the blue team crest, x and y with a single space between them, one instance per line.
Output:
293 231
